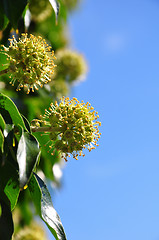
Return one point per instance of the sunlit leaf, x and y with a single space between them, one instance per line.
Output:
2 122
1 141
55 5
8 105
27 156
44 206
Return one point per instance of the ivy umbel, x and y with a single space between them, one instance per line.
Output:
71 125
30 62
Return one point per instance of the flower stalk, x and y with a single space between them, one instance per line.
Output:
47 129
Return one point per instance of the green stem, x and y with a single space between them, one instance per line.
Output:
47 129
4 71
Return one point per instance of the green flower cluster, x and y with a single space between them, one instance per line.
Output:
71 4
30 62
59 88
40 9
72 126
71 66
32 232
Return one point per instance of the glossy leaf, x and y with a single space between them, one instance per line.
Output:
9 183
1 141
13 10
55 5
27 156
6 222
8 105
44 206
2 122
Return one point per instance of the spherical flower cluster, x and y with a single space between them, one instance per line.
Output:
32 232
71 65
30 61
40 9
59 88
73 126
71 4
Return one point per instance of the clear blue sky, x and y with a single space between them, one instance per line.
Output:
113 192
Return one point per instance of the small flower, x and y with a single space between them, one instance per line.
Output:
73 126
30 61
71 65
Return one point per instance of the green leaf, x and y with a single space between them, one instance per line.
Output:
27 124
44 206
27 156
3 20
8 105
1 141
13 10
6 222
55 5
2 122
9 183
47 161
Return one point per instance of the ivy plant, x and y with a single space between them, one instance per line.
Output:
37 128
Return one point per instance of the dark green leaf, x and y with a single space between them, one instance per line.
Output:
44 206
13 10
7 104
9 183
3 20
6 222
55 5
27 156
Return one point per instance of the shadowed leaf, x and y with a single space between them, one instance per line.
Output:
13 10
9 183
6 222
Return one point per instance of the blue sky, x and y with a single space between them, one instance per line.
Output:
113 192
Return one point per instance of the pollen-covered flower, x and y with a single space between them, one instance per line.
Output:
71 65
73 126
30 61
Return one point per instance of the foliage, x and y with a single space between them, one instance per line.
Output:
27 64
